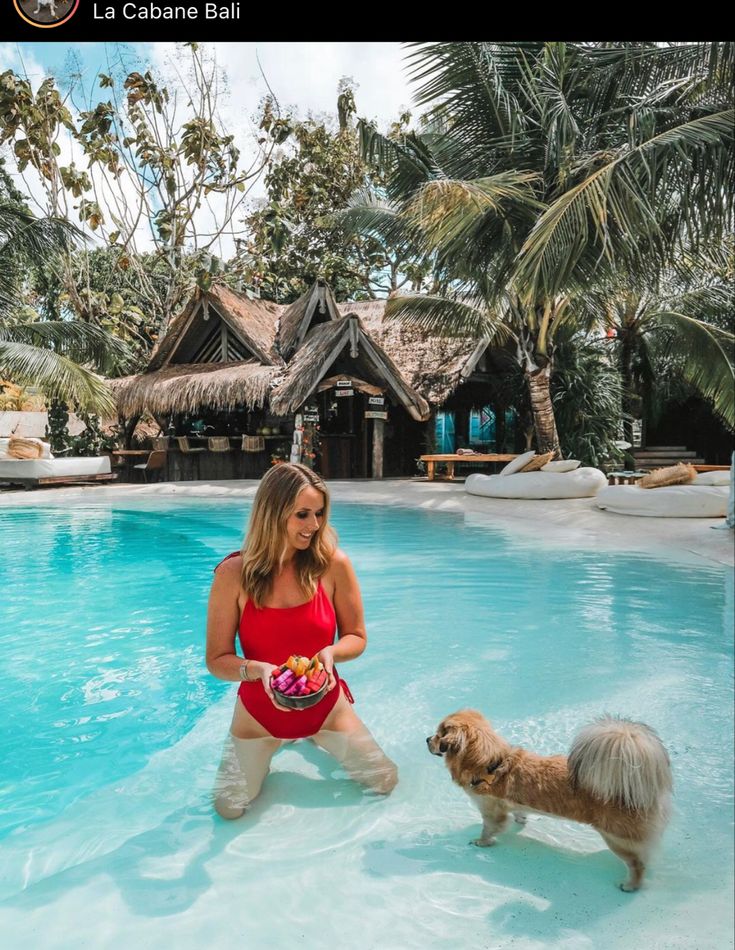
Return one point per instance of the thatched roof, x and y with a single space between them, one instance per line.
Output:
316 305
321 348
186 388
434 366
292 350
254 322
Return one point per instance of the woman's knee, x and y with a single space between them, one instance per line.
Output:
386 778
244 765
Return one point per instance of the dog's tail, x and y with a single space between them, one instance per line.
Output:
622 762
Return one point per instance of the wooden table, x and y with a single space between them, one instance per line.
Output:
450 460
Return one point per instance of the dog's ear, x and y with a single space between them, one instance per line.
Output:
452 738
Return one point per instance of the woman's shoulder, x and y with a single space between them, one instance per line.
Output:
230 566
339 564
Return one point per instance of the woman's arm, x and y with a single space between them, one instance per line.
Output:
347 602
223 616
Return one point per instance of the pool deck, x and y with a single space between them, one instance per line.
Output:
569 522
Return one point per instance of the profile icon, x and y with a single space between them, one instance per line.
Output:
46 14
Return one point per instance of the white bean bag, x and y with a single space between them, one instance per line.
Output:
673 501
581 483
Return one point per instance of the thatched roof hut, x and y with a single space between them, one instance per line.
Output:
321 349
226 350
188 387
432 365
314 307
220 326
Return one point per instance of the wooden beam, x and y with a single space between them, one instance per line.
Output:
359 384
378 441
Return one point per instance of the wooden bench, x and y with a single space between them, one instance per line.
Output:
451 460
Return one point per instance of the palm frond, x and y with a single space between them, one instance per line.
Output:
612 216
74 339
442 316
708 366
56 375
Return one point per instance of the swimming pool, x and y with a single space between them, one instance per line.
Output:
112 731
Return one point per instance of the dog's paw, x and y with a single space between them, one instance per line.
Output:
483 842
520 819
628 888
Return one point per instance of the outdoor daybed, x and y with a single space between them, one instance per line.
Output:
49 471
579 483
705 497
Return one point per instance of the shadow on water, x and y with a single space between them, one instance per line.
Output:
566 890
163 870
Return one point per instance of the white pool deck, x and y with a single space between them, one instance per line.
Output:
575 522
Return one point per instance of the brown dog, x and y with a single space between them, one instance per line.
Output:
617 779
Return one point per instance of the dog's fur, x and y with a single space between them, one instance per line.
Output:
45 3
617 779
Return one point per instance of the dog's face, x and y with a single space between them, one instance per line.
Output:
472 750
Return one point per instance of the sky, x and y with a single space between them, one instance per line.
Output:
303 77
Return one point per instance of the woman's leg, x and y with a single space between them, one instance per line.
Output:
246 759
346 737
245 763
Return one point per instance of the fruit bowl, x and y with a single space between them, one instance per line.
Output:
299 683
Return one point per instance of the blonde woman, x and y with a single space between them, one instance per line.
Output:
288 591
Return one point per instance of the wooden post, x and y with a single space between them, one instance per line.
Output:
378 438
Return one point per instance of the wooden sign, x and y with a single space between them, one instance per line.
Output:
374 414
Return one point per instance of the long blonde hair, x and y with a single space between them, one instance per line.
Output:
264 547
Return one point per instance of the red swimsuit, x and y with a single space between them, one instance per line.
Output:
271 635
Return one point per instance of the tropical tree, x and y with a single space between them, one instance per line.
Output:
54 355
293 236
140 166
546 170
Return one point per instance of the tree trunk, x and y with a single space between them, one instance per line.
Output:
539 388
537 370
630 398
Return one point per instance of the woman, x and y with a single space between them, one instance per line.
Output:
285 593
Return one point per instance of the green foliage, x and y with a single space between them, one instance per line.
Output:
295 237
56 430
544 171
587 397
132 137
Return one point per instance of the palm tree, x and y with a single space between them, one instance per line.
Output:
545 170
53 355
673 327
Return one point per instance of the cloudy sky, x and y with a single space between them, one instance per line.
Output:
303 76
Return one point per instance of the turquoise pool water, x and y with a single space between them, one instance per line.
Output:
112 729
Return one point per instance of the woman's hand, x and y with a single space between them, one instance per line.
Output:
326 658
265 672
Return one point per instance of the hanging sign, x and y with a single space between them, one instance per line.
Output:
344 392
344 384
375 414
376 401
311 413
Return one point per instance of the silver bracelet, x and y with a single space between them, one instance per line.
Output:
244 671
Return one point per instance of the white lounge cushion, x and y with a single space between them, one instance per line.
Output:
4 443
713 478
516 464
45 468
581 483
672 501
561 465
